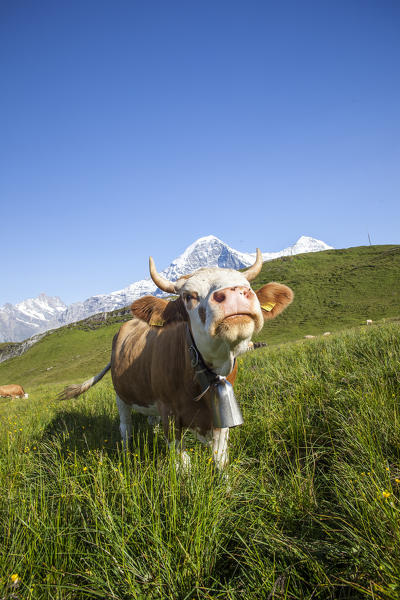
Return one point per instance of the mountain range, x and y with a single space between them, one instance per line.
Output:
36 315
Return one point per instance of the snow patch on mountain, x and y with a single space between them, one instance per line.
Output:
207 251
303 244
30 316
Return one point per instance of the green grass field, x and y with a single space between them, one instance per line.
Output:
310 508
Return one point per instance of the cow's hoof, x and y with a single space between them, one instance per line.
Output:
221 477
182 463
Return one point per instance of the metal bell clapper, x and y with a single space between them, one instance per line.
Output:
225 409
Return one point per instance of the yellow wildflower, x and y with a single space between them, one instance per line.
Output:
15 578
385 494
397 480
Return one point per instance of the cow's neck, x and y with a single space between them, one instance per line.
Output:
221 366
218 356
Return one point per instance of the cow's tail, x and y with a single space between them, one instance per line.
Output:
74 390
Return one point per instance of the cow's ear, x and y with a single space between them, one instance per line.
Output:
149 309
175 311
158 312
274 298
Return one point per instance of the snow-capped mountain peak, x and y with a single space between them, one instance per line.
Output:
30 316
208 251
41 307
309 244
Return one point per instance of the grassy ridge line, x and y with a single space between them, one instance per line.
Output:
311 509
61 357
96 321
75 350
7 345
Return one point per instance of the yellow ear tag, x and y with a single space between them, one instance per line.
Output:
268 306
156 323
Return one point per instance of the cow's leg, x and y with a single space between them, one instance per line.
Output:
125 421
153 420
220 447
173 435
183 459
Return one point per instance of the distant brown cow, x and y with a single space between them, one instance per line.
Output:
12 391
169 359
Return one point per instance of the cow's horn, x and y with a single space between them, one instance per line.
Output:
254 270
159 280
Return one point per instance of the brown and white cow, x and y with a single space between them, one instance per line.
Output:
151 365
12 391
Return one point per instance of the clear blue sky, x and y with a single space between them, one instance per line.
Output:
132 128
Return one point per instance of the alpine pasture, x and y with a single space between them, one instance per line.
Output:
310 505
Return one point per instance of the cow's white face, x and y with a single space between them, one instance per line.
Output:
224 313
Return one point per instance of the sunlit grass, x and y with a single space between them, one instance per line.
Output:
310 508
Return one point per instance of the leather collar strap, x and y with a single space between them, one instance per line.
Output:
204 376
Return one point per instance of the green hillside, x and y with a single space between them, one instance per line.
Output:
309 510
60 357
334 290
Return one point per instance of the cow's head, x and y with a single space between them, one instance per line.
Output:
224 312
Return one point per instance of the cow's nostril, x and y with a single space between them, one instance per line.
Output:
219 296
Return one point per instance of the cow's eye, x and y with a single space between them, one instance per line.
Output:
190 298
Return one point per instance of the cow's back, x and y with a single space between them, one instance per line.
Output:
150 363
12 390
